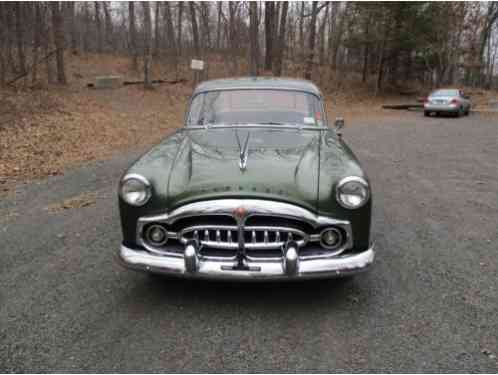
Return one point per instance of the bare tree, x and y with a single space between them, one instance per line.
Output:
58 28
170 30
36 42
20 37
311 43
195 30
47 43
133 35
98 25
73 27
218 27
3 32
269 33
179 27
279 48
253 38
87 27
108 26
157 33
147 44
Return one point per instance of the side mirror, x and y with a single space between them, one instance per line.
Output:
339 124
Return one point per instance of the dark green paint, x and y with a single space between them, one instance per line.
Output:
300 167
283 165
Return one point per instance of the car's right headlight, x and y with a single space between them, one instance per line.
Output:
352 192
135 189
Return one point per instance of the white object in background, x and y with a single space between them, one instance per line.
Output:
197 65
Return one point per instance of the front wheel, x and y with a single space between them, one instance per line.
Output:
427 113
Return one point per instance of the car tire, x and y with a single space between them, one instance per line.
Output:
427 113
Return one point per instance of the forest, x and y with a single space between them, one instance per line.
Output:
382 45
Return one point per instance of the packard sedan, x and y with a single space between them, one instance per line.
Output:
254 186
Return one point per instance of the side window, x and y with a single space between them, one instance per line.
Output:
195 110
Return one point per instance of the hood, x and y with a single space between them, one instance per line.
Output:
279 164
296 166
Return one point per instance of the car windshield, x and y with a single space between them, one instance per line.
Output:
251 106
445 93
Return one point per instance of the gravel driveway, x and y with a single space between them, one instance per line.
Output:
430 303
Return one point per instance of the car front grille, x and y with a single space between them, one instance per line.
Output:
255 237
264 234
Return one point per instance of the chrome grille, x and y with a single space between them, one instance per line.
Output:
255 237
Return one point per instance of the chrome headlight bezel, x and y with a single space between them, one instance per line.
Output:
144 183
352 180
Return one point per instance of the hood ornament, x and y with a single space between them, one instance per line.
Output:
243 151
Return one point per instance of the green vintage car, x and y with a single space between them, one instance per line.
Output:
254 186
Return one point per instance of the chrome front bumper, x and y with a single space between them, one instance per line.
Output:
191 266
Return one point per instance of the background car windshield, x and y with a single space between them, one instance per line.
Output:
445 93
255 107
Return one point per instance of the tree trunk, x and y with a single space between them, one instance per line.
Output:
311 44
47 43
8 21
205 29
74 30
36 42
133 35
20 37
277 66
157 34
3 32
301 28
253 38
108 27
232 35
147 44
337 43
218 27
195 31
98 25
87 27
171 38
58 28
321 34
269 33
380 70
179 27
364 71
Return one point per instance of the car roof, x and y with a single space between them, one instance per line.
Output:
275 83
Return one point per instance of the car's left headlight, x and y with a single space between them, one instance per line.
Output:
135 189
352 192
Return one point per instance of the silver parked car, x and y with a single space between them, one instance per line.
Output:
452 101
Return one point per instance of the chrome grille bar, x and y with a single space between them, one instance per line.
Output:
226 237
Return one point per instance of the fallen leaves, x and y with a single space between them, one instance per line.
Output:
83 200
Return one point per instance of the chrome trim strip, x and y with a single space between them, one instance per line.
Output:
314 268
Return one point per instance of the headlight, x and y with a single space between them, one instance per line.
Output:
135 189
352 192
